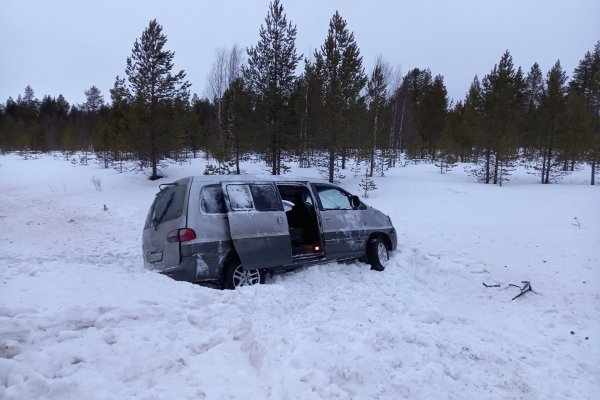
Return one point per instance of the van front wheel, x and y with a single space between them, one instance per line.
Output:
235 276
377 254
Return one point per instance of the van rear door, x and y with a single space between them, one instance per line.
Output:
166 218
258 224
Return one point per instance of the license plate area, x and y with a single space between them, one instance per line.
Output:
155 256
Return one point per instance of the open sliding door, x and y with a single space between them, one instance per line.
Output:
258 224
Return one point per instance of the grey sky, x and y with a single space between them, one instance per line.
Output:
65 46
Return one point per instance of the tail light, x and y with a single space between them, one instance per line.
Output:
181 235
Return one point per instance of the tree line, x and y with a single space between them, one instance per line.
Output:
326 115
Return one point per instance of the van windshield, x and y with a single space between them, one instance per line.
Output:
167 205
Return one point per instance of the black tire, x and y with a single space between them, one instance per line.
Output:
235 276
377 254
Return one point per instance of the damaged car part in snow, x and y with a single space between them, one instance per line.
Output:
235 229
526 288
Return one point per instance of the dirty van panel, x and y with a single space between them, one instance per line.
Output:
166 215
207 215
258 224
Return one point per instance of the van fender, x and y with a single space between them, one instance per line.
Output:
383 237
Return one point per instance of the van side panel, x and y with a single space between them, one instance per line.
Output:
204 261
213 243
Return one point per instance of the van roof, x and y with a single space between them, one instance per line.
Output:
254 178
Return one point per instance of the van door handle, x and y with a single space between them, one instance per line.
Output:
279 220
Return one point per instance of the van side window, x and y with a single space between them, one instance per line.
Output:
333 198
240 198
212 201
265 198
259 197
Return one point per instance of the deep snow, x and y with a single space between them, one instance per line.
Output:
80 318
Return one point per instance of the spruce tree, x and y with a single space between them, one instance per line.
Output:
30 102
552 106
433 108
414 114
367 184
585 85
152 84
121 123
472 120
236 115
532 133
534 89
338 65
503 105
270 76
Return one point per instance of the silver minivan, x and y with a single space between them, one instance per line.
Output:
232 230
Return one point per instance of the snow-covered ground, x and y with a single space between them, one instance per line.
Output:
80 318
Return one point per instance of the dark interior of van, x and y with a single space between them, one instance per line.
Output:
302 220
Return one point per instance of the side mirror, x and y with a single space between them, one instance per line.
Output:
354 201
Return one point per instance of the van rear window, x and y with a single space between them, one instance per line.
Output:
168 205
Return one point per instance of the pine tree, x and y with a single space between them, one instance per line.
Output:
94 100
31 133
30 102
121 124
270 75
534 89
450 147
445 153
472 121
433 108
338 65
152 83
552 107
586 85
503 105
53 117
576 145
92 128
414 112
237 111
367 184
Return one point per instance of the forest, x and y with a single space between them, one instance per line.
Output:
331 113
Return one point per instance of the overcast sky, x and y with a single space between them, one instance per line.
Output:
65 46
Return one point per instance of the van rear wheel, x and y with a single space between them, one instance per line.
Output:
235 276
377 254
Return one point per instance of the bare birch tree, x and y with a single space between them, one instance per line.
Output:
224 70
